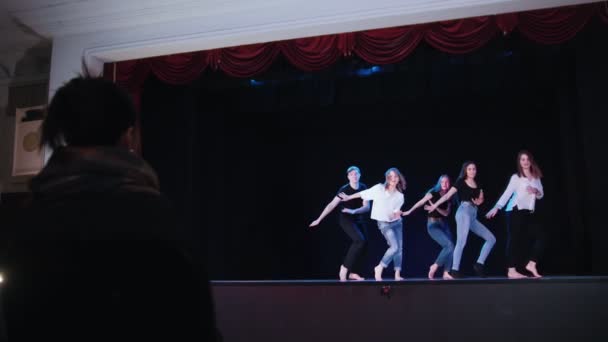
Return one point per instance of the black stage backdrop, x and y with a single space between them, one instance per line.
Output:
249 163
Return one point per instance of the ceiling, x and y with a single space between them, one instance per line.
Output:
28 26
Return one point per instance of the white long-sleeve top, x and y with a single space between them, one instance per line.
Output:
385 202
517 195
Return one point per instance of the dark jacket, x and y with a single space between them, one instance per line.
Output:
98 257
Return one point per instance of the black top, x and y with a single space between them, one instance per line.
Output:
465 192
444 206
354 203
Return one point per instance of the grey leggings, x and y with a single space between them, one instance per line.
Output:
466 220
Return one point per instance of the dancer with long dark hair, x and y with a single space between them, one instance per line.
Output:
352 222
437 225
471 196
523 190
386 210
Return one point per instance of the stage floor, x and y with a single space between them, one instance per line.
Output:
467 280
552 308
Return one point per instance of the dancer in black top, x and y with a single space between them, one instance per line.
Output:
470 193
352 222
437 225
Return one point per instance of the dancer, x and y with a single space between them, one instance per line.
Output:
388 199
352 222
522 192
471 194
437 226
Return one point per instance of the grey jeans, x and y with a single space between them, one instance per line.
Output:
393 233
466 220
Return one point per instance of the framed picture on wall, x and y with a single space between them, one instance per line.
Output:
28 159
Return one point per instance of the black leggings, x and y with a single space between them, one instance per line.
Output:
357 231
521 232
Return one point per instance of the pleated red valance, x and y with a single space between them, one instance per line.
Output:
383 46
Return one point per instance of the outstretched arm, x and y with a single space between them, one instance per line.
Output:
504 198
363 209
328 209
443 198
345 197
443 212
418 204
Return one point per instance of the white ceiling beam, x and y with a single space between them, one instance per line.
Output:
71 17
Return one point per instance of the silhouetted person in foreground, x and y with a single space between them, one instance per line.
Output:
97 255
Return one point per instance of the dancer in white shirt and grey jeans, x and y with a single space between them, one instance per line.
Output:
522 192
386 210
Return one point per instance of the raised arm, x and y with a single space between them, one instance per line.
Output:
328 209
418 204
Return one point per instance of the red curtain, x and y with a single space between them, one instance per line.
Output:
383 46
180 68
313 54
556 25
386 46
461 36
245 61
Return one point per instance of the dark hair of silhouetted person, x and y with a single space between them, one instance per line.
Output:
87 111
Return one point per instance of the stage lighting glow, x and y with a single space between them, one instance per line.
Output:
1 278
368 71
255 83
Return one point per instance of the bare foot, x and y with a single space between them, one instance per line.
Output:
531 266
398 275
447 276
513 274
432 270
355 276
343 273
378 272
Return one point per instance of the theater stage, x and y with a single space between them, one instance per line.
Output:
560 308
